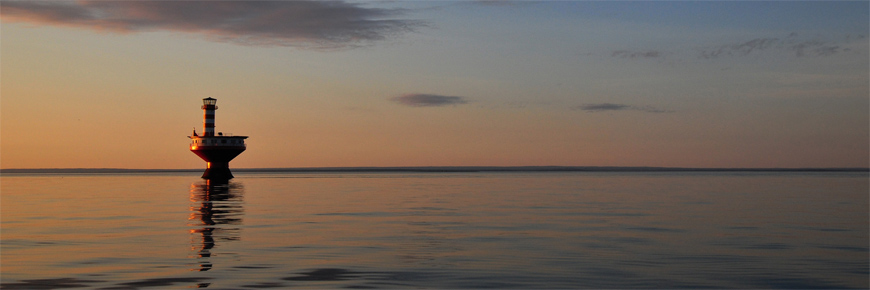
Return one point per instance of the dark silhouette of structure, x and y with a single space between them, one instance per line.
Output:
218 149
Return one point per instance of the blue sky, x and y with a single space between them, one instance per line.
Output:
625 83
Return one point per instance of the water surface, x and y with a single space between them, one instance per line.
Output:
436 230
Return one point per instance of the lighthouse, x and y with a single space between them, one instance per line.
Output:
216 149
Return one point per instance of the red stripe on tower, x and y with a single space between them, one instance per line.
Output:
208 106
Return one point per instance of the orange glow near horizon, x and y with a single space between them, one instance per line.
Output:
471 98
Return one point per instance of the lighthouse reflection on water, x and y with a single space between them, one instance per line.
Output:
216 210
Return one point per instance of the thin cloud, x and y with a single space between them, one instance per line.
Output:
603 107
740 49
790 45
636 54
428 100
305 24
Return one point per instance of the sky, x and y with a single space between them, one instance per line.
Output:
119 84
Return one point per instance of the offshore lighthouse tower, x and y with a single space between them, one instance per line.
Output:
218 149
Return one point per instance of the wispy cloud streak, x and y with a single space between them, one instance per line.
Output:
792 45
636 54
305 24
428 100
603 107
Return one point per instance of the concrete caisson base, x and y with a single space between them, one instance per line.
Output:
218 158
217 172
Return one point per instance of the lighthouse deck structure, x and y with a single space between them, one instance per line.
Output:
217 141
216 149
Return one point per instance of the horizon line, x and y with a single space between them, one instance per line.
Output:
435 169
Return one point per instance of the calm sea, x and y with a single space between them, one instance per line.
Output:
436 230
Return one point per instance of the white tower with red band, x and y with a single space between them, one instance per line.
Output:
218 149
208 107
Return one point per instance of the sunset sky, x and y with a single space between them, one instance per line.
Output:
119 84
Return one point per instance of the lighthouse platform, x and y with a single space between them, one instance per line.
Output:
218 151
